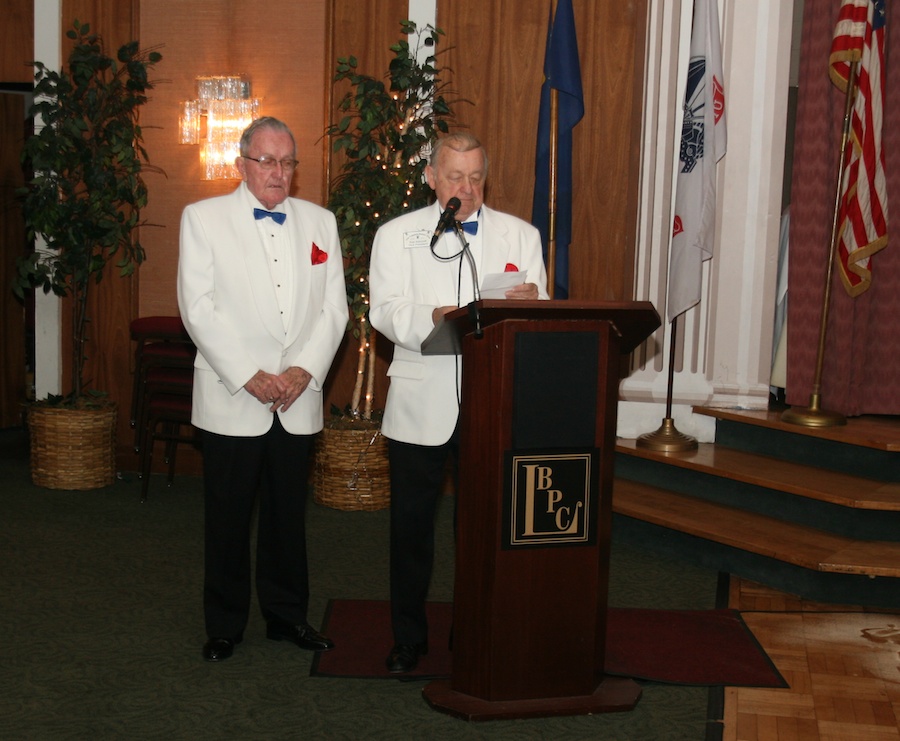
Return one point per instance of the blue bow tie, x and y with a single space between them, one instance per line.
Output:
261 213
469 227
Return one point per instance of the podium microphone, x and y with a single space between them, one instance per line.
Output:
447 220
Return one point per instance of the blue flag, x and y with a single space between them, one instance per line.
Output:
562 72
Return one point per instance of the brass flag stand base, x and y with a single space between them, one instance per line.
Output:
667 439
812 416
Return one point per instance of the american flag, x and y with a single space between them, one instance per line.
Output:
863 211
703 144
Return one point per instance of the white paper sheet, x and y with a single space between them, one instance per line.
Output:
495 285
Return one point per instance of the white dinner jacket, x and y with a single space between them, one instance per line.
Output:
406 283
229 307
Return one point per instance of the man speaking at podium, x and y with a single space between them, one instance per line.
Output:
425 264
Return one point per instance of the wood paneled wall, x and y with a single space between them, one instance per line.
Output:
17 41
496 53
365 31
12 244
282 51
16 73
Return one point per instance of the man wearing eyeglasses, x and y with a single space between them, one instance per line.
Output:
419 273
261 292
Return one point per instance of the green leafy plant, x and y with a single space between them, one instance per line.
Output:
86 193
385 136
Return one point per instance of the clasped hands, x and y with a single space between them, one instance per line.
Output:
521 292
281 391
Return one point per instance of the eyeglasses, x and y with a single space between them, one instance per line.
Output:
270 163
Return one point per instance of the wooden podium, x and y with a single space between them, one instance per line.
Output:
537 437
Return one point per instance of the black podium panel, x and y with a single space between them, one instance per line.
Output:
555 396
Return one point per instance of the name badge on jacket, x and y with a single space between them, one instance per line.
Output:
418 238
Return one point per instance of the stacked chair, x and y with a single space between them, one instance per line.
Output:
161 397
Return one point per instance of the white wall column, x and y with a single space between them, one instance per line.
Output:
47 317
724 348
423 13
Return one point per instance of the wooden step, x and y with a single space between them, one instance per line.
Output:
870 431
759 534
774 473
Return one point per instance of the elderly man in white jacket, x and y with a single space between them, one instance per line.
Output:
414 281
261 292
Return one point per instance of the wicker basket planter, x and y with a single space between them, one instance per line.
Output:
72 448
351 467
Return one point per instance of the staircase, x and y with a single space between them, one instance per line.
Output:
810 511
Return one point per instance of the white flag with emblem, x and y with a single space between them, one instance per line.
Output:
703 143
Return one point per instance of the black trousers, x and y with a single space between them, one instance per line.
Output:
235 469
417 477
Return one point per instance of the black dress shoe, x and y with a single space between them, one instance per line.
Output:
404 657
219 649
304 635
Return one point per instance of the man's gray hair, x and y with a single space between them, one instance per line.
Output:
266 122
459 141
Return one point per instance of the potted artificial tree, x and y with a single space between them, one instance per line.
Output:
384 137
84 200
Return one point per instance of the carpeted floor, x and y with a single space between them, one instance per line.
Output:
101 623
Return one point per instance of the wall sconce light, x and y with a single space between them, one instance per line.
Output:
216 120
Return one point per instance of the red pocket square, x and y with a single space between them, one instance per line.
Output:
318 256
510 268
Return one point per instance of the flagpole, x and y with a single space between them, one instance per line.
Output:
814 415
551 199
667 439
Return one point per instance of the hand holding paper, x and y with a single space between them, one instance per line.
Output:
495 285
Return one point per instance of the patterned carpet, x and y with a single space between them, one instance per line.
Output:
102 628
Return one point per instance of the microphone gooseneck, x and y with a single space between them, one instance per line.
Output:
474 312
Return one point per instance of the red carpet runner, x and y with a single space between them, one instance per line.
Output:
699 647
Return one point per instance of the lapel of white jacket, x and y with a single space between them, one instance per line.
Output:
432 267
301 255
495 244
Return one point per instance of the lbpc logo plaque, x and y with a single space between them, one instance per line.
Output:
551 499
